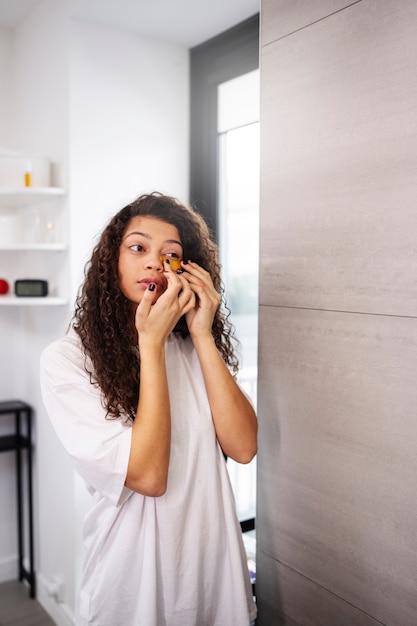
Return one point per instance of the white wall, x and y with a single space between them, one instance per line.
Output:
129 126
37 96
5 82
111 111
7 487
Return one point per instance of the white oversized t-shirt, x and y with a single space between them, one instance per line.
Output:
175 560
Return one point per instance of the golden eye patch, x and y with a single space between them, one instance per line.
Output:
174 263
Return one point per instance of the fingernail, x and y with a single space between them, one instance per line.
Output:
151 286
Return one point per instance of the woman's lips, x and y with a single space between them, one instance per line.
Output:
147 281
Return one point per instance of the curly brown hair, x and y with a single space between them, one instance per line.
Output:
103 316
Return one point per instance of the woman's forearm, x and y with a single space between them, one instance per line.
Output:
151 431
233 415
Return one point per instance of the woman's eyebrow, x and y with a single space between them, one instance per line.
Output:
136 232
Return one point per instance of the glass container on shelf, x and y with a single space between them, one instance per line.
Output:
28 225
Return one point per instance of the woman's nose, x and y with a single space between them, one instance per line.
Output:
154 262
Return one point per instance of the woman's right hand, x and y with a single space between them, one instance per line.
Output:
156 318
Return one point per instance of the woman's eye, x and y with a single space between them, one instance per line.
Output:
136 247
173 259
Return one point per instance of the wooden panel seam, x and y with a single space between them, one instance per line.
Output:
308 25
316 584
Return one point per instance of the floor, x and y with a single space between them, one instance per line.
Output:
18 609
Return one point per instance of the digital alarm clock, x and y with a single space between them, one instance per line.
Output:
31 288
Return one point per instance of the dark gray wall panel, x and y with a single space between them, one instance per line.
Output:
292 599
337 465
339 162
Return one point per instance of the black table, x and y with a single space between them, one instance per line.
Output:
21 440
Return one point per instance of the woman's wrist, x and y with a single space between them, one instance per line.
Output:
203 341
150 347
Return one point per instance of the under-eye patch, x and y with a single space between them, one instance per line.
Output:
174 263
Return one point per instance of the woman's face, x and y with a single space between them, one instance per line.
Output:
144 241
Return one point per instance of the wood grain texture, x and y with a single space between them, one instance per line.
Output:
337 465
288 593
339 162
280 18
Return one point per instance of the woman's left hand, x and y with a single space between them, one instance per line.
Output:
233 415
200 318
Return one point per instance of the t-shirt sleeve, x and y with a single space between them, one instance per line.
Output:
98 446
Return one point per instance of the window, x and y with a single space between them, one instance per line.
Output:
227 56
224 172
238 230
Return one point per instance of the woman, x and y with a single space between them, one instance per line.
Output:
141 395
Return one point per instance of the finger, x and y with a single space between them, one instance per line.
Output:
202 284
197 275
187 297
195 269
179 283
187 301
176 283
167 266
173 265
148 298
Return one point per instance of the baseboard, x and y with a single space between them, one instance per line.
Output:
59 611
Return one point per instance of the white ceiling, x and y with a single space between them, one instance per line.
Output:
186 22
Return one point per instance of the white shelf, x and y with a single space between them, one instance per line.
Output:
28 195
21 301
45 247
